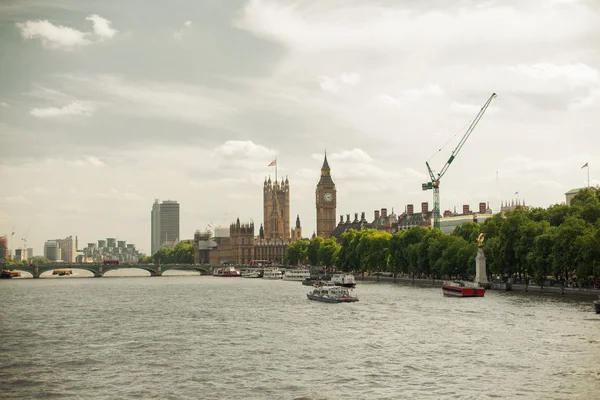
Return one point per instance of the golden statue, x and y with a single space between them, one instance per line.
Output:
480 239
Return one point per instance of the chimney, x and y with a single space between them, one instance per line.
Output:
376 214
341 219
384 213
348 218
409 209
362 216
466 209
482 208
355 217
424 207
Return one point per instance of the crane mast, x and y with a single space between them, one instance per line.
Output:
434 184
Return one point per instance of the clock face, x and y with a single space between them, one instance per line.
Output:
328 197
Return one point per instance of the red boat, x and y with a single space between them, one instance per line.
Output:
461 289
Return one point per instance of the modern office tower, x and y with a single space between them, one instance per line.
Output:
4 247
164 224
68 247
29 253
21 254
52 251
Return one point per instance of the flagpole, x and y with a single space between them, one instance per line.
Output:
588 168
275 169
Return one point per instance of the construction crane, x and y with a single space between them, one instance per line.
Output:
435 180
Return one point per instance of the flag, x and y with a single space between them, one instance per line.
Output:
274 162
585 165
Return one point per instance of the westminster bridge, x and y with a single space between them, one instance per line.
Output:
100 269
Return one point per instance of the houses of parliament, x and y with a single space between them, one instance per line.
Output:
240 245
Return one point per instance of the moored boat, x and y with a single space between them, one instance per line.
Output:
462 289
345 280
251 274
296 275
62 272
272 273
332 294
227 272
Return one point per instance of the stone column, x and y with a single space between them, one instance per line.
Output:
36 271
480 269
100 273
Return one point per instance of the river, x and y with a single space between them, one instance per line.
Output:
203 337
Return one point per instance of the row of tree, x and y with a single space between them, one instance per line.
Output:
561 242
182 253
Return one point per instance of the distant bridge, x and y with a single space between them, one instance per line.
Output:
100 269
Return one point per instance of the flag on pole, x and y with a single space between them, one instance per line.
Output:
274 162
585 165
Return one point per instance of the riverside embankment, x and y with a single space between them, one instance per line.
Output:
553 290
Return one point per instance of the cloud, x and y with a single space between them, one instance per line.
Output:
348 155
16 200
414 96
102 27
333 85
73 109
179 34
64 37
3 104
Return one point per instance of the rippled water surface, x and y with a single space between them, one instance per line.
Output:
201 337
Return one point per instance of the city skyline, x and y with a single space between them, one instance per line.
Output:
125 104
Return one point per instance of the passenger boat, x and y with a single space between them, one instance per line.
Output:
251 274
345 280
597 305
462 289
332 294
272 273
296 275
62 272
227 272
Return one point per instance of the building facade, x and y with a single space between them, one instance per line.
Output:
110 249
164 224
4 247
68 248
52 251
326 202
276 208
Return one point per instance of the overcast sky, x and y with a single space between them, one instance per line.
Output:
105 106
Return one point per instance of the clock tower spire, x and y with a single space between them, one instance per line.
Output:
326 201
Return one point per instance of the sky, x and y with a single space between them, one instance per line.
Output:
106 106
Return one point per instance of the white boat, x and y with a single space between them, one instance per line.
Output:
272 273
227 272
332 294
251 274
296 275
345 280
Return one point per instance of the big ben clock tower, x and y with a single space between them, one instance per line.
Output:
326 200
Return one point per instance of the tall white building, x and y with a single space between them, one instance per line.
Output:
52 251
164 224
68 247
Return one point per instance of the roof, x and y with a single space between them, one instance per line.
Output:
575 191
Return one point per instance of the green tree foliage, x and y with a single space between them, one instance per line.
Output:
328 252
313 250
182 253
297 252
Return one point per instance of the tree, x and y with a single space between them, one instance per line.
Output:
328 252
468 231
297 252
313 250
564 251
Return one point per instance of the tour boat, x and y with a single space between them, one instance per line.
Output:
332 294
7 274
62 272
296 275
462 289
227 272
272 273
251 274
346 280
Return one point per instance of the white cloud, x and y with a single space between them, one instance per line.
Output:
73 109
16 200
102 27
180 33
64 37
414 96
336 83
348 155
53 36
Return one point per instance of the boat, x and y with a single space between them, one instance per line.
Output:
332 294
62 272
345 280
272 273
227 272
462 289
597 305
251 274
296 275
9 273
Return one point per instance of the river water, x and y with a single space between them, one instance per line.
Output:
203 337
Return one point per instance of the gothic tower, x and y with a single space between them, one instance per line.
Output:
276 205
297 231
326 200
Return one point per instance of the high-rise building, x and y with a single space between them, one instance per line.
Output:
164 224
4 247
326 201
29 253
68 247
52 251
